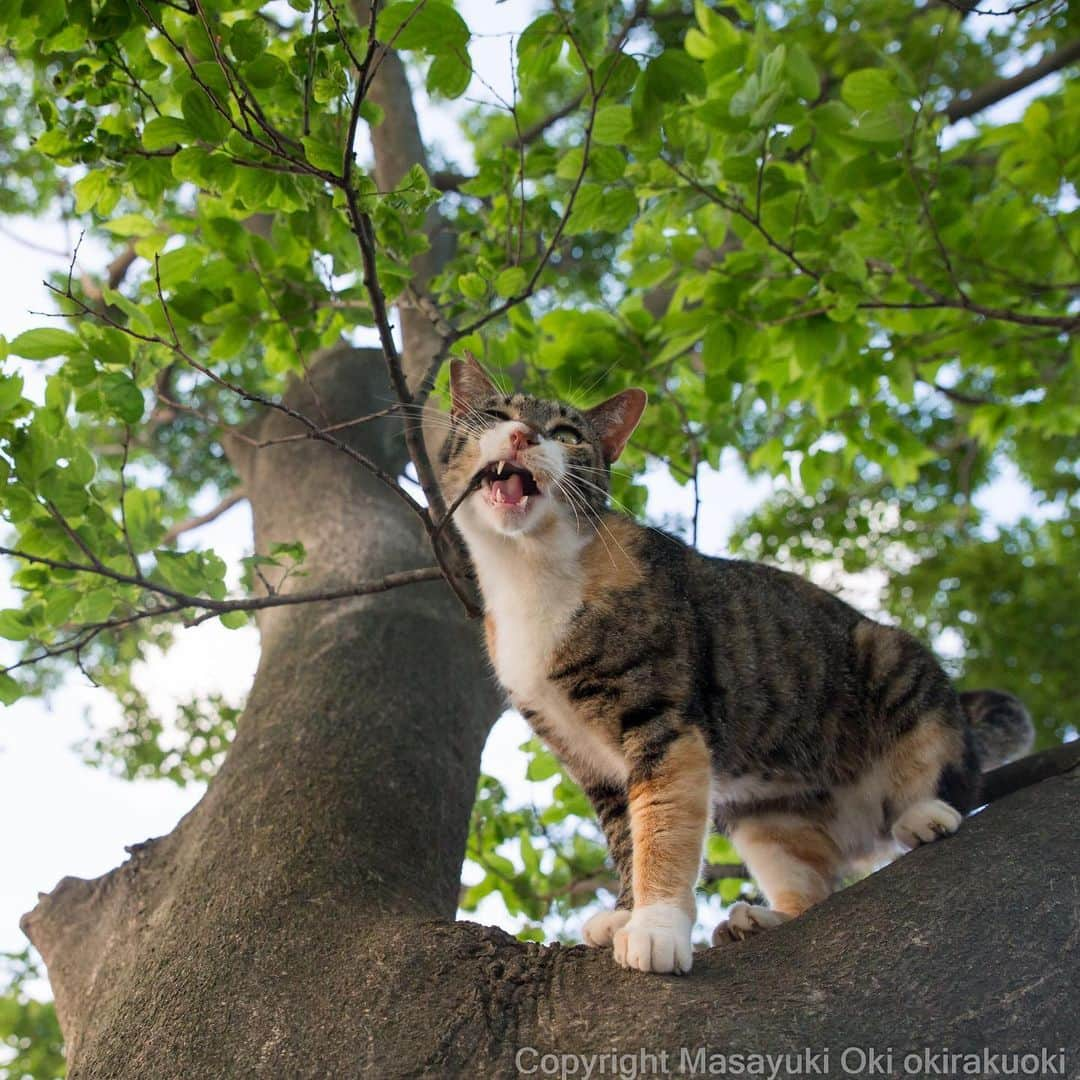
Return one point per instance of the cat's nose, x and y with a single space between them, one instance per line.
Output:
523 437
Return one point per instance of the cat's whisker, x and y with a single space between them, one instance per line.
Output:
592 518
623 507
599 519
570 501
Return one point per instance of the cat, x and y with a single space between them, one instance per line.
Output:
678 688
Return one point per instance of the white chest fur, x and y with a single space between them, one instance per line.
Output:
532 590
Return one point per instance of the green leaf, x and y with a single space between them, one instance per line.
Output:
233 620
449 75
674 74
13 625
472 286
165 131
130 225
886 124
248 38
321 154
430 25
11 388
123 397
90 189
97 605
510 281
869 88
599 207
802 73
203 118
45 343
179 266
267 71
612 125
10 690
543 765
142 512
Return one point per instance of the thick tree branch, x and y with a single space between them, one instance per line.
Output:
990 94
1030 770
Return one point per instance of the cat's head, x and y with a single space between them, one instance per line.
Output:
533 462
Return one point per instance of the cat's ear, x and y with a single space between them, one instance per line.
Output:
616 419
468 384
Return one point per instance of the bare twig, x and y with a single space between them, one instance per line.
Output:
207 605
199 520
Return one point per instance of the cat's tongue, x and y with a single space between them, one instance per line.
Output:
509 490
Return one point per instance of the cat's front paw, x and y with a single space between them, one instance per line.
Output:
744 920
656 938
600 929
925 821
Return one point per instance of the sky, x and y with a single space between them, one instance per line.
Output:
76 819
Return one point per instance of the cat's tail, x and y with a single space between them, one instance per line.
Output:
1001 726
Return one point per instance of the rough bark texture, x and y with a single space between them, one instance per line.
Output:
265 943
344 800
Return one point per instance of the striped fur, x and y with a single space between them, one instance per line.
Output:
677 687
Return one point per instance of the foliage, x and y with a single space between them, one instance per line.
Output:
30 1041
760 213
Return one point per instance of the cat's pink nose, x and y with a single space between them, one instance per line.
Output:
523 437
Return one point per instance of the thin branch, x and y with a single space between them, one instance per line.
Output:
534 131
199 520
309 75
211 608
73 536
937 300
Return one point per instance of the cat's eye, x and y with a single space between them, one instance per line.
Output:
566 434
496 414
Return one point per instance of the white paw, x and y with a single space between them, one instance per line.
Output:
744 920
925 821
600 929
656 938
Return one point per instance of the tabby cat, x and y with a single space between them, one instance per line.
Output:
676 688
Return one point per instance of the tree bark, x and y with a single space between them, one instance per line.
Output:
345 798
296 924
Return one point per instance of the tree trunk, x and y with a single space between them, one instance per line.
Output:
297 922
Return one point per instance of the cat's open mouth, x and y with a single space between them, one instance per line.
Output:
509 485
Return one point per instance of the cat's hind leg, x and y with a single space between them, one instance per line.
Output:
795 863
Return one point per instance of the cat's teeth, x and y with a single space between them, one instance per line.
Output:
499 468
524 501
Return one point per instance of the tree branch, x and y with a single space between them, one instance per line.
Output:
210 607
990 94
534 131
199 520
1033 769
